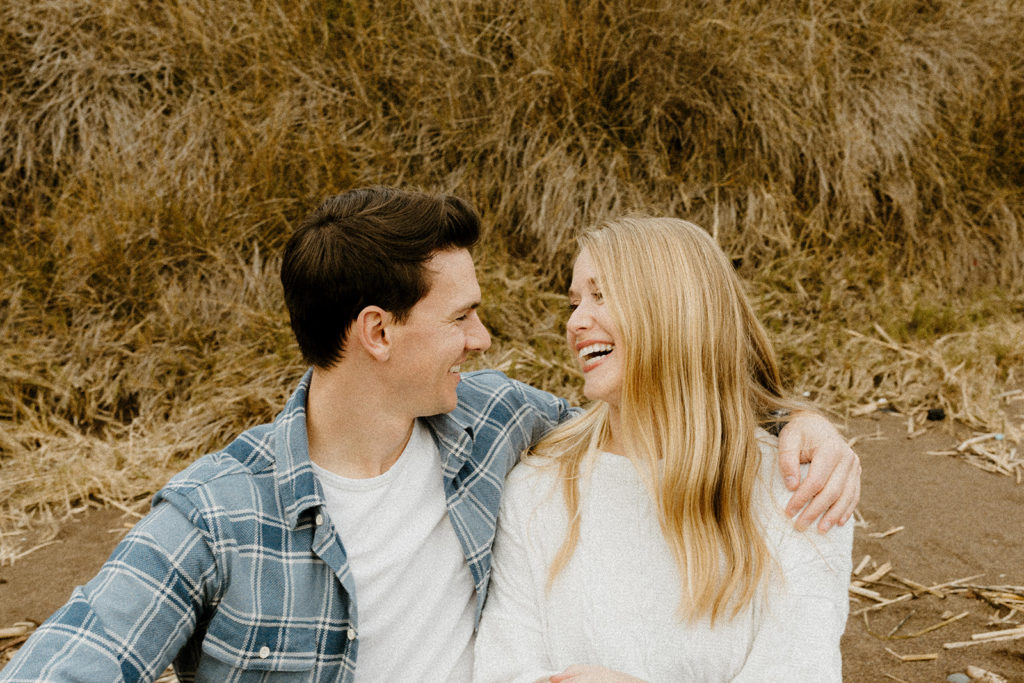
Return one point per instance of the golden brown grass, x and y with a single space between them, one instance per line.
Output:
865 160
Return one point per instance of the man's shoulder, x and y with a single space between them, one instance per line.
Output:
484 386
486 380
248 457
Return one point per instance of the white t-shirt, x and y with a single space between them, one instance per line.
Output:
414 590
615 602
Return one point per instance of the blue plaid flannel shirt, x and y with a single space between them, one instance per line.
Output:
237 573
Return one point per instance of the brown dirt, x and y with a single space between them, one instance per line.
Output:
958 521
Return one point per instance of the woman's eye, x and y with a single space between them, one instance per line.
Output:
598 297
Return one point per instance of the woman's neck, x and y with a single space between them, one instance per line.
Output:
613 442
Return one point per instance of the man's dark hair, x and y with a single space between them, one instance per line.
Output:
361 248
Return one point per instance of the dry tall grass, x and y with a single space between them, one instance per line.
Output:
864 159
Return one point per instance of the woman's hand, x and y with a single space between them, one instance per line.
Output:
580 673
832 485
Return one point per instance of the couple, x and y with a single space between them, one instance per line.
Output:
351 538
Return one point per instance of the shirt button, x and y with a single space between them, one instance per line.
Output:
264 652
319 520
351 634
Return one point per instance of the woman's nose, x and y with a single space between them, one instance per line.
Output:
577 320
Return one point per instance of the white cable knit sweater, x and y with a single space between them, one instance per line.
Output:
615 602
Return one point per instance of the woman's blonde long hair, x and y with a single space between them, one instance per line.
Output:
699 376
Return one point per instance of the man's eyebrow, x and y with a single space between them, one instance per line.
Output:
467 307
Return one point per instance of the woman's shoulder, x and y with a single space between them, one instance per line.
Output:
531 481
771 488
770 502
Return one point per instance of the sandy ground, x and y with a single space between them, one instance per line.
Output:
957 520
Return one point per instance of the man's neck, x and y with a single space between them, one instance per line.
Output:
351 430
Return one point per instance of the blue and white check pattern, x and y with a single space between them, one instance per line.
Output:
237 573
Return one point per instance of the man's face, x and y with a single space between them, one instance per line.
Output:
438 335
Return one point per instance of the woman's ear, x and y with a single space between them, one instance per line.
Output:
372 330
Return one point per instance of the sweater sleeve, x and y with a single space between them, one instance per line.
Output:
510 641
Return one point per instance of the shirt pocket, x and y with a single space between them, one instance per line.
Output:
263 644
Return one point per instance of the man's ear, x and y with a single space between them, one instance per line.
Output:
372 329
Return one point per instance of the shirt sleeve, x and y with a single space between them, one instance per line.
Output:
804 612
131 620
554 409
510 642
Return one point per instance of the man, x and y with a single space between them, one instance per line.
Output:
352 535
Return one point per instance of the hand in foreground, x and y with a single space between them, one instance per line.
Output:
832 487
580 673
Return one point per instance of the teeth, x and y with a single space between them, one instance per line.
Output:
593 349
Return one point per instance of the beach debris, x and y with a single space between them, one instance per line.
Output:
870 407
978 674
919 587
956 583
866 592
861 565
999 635
935 627
887 532
857 586
981 438
899 625
988 637
992 452
18 629
878 573
936 415
958 678
927 657
892 634
877 585
913 431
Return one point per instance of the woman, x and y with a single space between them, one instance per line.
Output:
647 537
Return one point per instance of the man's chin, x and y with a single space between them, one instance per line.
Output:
448 404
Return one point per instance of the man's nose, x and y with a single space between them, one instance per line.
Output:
479 339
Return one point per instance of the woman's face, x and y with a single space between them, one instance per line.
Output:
593 336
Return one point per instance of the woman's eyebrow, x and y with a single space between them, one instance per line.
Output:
590 283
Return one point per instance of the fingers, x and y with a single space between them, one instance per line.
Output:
843 508
808 490
831 497
789 458
569 672
594 674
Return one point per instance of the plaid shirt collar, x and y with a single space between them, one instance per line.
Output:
296 480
